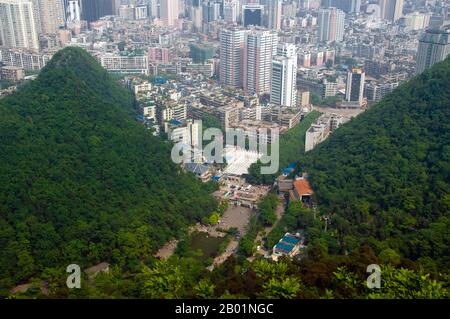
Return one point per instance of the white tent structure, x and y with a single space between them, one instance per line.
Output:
239 160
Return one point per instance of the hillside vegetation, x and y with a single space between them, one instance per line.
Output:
384 177
80 180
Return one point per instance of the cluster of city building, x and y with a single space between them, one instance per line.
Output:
253 65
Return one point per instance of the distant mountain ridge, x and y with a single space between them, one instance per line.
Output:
80 180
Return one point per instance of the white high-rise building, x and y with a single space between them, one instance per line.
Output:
141 12
73 14
287 50
197 17
211 11
398 10
169 11
391 9
283 90
324 24
153 8
416 21
331 25
50 15
274 18
434 46
18 24
231 11
348 6
340 25
231 57
188 134
260 47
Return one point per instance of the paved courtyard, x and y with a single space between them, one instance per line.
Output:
235 216
347 114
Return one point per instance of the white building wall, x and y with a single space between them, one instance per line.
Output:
260 47
284 77
231 57
18 24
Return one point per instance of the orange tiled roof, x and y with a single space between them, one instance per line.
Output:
302 187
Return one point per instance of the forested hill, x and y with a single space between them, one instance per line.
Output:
80 180
386 174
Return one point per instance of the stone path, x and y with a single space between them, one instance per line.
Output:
267 230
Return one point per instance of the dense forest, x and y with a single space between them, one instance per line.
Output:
384 177
82 182
316 275
266 216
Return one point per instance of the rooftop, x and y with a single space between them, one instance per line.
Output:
196 168
290 240
303 187
239 160
285 247
95 269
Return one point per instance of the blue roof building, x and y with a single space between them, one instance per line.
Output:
290 239
287 248
288 245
